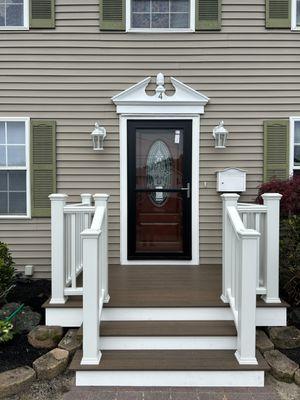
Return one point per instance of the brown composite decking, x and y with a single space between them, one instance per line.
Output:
163 286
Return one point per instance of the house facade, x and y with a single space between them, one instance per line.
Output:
159 76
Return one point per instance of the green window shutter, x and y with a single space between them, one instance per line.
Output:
42 166
278 14
42 14
276 150
112 15
208 15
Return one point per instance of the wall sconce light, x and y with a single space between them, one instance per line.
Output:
98 136
220 135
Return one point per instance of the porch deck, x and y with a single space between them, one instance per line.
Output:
163 286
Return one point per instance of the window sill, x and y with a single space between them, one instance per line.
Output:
14 28
140 30
15 217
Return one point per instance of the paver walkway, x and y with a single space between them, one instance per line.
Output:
266 393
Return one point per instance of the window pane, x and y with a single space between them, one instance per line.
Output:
17 181
16 132
298 12
3 181
141 6
179 20
2 15
2 132
160 6
14 15
16 155
141 20
297 132
3 203
180 5
160 20
17 203
297 155
2 155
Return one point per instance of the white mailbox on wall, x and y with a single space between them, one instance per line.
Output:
231 180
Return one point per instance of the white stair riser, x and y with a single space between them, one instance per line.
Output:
168 343
170 378
72 317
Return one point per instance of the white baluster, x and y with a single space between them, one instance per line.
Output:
271 278
228 200
58 202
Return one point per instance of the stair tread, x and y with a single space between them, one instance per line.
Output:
168 360
166 328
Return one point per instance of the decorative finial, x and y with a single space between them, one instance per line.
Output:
160 82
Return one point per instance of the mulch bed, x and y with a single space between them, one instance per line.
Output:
293 354
18 353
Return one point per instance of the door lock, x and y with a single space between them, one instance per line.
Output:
187 189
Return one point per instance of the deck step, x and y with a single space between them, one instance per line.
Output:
166 328
169 368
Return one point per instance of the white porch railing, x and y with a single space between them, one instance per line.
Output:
250 263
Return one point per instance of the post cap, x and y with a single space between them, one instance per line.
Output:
101 196
271 196
58 196
230 196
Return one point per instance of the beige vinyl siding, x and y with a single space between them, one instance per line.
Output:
69 74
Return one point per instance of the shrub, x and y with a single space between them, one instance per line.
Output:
7 271
6 331
290 190
290 260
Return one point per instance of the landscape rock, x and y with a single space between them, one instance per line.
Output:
25 321
71 341
51 364
15 381
282 367
285 337
45 337
263 343
297 377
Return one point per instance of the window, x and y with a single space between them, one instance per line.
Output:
296 14
14 167
161 15
14 14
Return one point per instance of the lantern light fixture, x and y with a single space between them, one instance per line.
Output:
98 136
220 134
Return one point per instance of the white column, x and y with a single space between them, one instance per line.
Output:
58 202
271 271
91 298
246 343
229 199
86 199
102 201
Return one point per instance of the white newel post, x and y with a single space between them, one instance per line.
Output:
102 200
272 202
229 199
58 202
246 344
91 298
86 199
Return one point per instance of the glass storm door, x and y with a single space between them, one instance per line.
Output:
159 190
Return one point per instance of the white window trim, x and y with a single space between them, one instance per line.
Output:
27 166
151 30
292 143
294 26
24 27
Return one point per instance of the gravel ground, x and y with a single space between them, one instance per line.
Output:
62 388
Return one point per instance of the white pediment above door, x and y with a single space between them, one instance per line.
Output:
135 100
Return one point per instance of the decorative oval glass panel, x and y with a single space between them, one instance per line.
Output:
159 170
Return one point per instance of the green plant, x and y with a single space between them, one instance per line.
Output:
6 331
7 271
290 259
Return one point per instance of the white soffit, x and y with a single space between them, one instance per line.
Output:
135 100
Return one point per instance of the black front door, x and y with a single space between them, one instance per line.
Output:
159 189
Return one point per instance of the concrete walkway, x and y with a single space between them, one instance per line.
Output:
266 393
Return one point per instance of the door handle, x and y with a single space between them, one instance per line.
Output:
187 189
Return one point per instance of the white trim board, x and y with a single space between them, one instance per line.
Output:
135 103
292 167
171 378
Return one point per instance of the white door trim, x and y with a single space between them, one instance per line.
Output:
195 188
